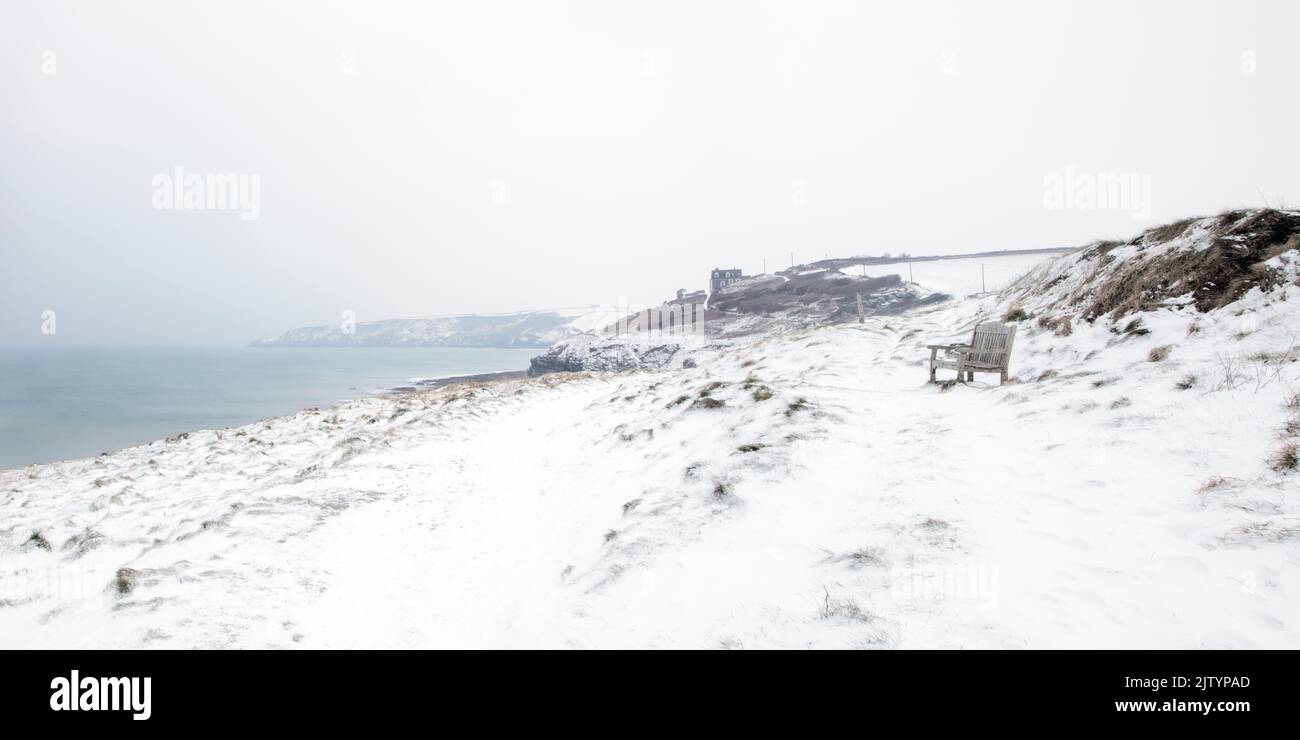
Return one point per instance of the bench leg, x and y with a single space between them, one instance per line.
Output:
970 376
1004 377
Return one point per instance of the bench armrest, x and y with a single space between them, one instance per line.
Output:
947 346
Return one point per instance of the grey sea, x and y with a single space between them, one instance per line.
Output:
58 404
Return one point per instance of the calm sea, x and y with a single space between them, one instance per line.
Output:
57 404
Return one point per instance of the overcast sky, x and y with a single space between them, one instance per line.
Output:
427 158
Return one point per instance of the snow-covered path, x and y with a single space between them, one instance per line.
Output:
971 518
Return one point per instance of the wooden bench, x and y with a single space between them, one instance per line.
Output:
989 351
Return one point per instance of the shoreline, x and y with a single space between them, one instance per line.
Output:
187 410
429 384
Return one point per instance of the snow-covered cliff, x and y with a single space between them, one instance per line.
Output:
525 329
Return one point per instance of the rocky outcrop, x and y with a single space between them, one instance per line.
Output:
602 354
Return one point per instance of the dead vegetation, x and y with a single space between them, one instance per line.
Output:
1061 326
1214 483
799 404
1215 276
1286 458
1168 232
1234 372
843 608
1160 354
1136 328
758 391
1213 273
124 581
1015 314
862 557
1258 532
1291 428
37 541
708 390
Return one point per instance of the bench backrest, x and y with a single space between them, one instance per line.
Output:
991 343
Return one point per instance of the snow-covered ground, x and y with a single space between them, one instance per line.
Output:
802 490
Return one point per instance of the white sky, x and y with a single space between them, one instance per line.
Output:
637 145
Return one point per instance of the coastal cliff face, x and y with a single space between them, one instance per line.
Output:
1132 484
538 329
592 353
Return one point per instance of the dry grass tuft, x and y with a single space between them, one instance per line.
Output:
1168 232
1015 314
37 541
1059 325
1286 458
1212 484
847 608
1136 328
1291 428
1159 354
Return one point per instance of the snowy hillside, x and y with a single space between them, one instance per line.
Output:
794 300
1133 485
525 329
